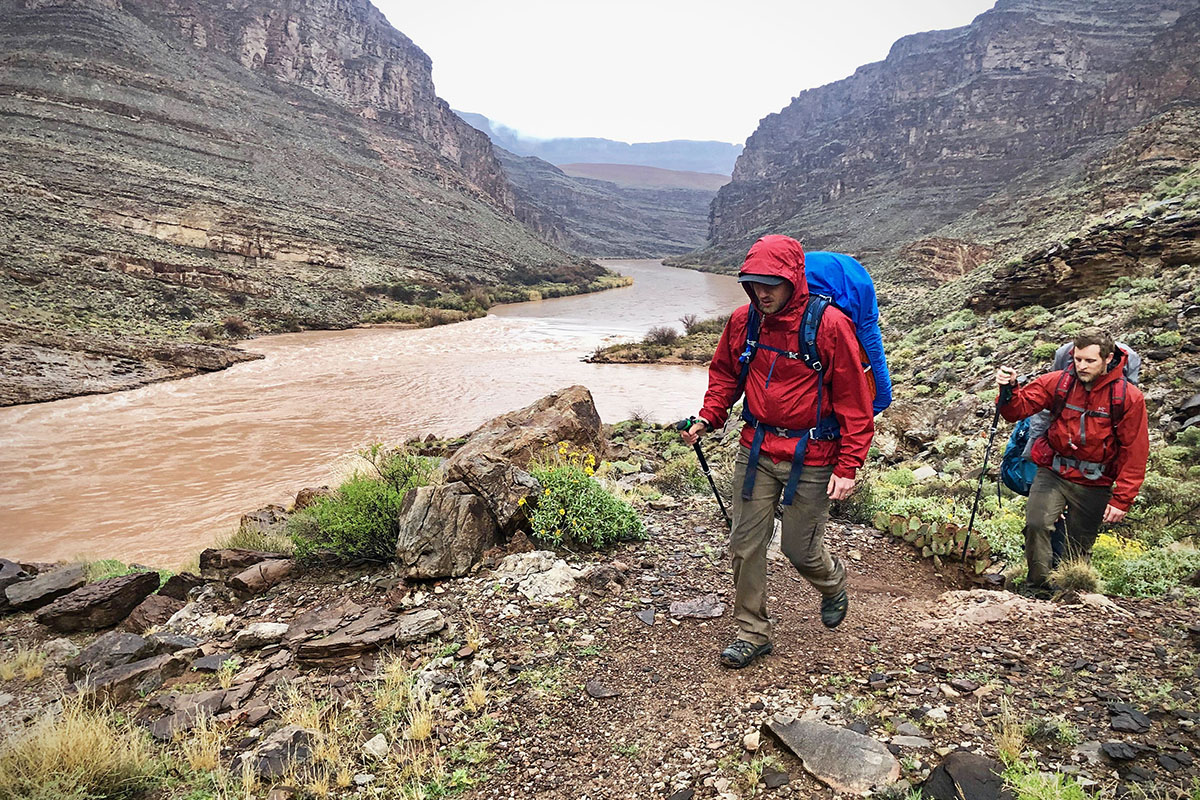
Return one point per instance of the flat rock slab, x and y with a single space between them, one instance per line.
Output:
121 683
45 588
10 572
841 759
110 650
259 577
375 628
98 605
706 606
259 634
1127 718
967 776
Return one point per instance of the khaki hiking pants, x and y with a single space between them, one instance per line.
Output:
1049 495
802 540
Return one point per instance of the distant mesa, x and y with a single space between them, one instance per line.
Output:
682 154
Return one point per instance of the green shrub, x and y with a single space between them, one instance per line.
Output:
574 509
1168 339
1152 309
361 519
1152 574
681 476
1030 783
662 335
899 477
1044 351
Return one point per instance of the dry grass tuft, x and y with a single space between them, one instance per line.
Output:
474 635
254 539
1076 575
393 693
201 748
302 710
420 715
83 752
476 696
29 664
1009 731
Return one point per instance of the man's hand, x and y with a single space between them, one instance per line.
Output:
1113 514
1006 376
692 434
839 488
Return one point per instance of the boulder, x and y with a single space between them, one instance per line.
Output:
279 754
45 588
179 584
259 634
268 519
121 683
98 605
843 760
219 564
967 776
554 582
152 612
306 497
495 457
10 572
111 649
261 576
444 531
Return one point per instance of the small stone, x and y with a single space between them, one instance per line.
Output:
213 662
917 742
377 747
751 741
1119 751
5 699
645 616
599 691
259 634
963 685
773 779
363 778
707 606
936 714
908 729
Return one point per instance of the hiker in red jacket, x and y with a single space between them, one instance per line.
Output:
806 435
1091 460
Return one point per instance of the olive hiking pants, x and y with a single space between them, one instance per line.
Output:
802 539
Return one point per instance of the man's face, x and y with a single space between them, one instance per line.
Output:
772 299
1089 364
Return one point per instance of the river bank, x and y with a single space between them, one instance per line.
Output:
156 473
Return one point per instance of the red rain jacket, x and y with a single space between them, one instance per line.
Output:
1090 438
789 400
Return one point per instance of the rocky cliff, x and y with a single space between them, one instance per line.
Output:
1031 95
175 170
603 218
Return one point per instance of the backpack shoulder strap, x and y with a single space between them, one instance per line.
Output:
810 325
1062 390
750 346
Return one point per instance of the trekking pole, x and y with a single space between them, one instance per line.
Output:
683 425
1006 393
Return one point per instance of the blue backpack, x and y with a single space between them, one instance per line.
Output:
1016 471
833 279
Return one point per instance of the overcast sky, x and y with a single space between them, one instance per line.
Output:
651 70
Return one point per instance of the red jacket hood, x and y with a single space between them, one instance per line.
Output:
782 256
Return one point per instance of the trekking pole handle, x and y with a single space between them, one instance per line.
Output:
1006 393
685 424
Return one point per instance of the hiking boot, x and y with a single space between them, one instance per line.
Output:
833 609
741 653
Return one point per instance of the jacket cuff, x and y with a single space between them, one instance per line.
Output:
1121 504
846 472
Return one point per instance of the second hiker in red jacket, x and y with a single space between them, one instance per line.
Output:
785 401
1091 460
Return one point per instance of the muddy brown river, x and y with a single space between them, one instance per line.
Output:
156 473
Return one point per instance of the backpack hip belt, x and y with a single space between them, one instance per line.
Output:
1091 470
826 429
